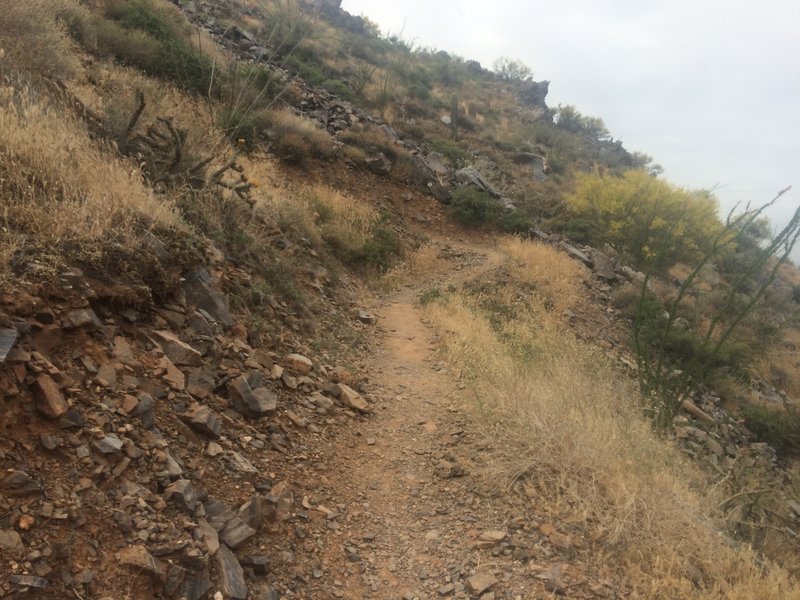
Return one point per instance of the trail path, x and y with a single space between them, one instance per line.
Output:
408 513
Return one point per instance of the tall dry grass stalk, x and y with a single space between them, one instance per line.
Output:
563 425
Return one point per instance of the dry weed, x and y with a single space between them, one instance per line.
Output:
556 277
60 188
31 41
565 427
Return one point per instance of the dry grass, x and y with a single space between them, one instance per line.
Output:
63 190
565 427
298 137
555 276
422 262
344 223
32 42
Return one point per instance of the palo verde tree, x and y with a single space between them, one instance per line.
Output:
644 218
671 361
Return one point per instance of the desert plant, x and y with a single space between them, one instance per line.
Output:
511 69
473 207
646 219
655 335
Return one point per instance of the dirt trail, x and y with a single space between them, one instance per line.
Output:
411 511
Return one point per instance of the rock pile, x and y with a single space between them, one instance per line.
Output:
147 441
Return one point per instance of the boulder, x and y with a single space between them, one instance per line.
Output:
470 176
231 574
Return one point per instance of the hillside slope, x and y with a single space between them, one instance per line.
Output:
287 310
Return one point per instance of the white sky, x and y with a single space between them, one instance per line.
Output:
709 88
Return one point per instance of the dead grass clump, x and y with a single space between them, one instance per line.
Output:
32 42
566 429
554 275
344 223
67 197
298 138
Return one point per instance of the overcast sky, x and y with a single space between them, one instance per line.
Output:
709 88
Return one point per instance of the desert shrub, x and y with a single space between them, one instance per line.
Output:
310 72
510 69
243 125
430 295
778 427
382 246
153 38
292 148
644 218
339 88
296 138
516 221
474 208
176 60
451 150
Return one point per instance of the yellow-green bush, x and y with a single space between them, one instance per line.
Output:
650 221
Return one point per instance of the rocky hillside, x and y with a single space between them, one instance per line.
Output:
264 332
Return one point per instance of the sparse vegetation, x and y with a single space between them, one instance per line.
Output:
474 208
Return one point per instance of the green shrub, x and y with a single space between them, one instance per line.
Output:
382 246
153 39
516 221
450 150
177 60
430 295
339 88
778 428
239 125
474 208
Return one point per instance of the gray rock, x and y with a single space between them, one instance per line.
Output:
252 512
470 176
184 495
200 293
259 563
236 532
576 254
18 483
200 383
187 585
603 265
145 410
481 582
240 463
231 574
379 165
83 318
204 421
110 444
441 193
8 337
28 581
251 403
139 558
436 163
106 376
353 399
178 351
